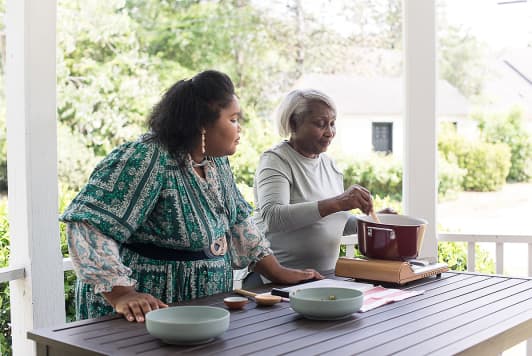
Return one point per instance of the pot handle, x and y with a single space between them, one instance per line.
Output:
390 231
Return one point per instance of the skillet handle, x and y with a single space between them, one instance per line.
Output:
390 231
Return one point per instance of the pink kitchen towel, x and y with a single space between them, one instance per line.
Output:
377 296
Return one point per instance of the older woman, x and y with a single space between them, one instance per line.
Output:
300 200
161 219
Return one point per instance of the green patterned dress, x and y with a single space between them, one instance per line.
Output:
140 194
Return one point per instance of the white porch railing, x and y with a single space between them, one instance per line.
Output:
350 241
8 274
498 240
472 239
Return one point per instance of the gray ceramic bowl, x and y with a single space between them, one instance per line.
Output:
187 325
327 303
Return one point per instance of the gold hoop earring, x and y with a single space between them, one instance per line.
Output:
204 161
203 142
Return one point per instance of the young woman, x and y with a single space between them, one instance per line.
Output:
161 219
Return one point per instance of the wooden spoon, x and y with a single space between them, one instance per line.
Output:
260 299
374 216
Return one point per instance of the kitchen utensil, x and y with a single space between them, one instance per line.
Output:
280 292
260 299
396 237
374 216
235 302
187 325
327 303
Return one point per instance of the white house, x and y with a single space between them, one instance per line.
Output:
370 110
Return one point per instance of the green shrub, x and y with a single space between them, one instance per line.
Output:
69 281
5 320
381 174
487 164
5 307
450 143
451 177
4 234
510 129
455 255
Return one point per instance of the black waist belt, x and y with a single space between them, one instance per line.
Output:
170 254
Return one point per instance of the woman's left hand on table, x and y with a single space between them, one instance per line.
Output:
131 304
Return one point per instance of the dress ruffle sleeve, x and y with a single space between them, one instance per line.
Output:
95 258
248 245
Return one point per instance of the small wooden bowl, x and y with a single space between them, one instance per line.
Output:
235 302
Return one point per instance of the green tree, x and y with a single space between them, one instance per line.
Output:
232 36
462 60
376 23
105 83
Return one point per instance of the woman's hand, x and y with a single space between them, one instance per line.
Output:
269 267
357 196
354 197
132 304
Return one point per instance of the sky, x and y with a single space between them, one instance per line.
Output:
500 25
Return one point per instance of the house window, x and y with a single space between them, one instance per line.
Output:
382 136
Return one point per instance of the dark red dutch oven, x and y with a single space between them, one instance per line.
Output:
397 237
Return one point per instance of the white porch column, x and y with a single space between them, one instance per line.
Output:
420 179
38 299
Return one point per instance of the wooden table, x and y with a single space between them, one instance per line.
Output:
458 313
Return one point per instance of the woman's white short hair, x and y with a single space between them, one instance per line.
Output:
295 104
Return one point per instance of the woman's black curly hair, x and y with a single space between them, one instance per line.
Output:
186 108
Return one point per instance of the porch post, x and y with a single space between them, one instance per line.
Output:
420 179
38 299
